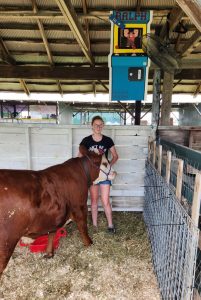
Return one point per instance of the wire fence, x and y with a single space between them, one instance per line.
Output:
171 187
173 238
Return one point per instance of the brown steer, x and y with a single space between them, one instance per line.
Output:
33 203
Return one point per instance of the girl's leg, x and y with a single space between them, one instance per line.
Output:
105 198
94 194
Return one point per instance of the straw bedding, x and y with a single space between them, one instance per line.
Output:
114 267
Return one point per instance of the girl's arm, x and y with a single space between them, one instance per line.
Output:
114 155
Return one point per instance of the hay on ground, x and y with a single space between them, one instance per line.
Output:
114 267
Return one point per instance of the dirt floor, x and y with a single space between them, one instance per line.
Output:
115 267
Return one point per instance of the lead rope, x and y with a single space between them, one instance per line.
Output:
86 170
107 174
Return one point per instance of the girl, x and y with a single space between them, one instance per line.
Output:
104 144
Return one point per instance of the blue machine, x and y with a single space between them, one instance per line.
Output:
128 62
128 77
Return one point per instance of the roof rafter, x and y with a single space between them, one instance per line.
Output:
24 86
105 87
43 35
46 44
173 19
84 4
138 5
191 43
72 20
78 73
94 88
64 27
197 90
6 57
20 12
193 11
4 53
60 88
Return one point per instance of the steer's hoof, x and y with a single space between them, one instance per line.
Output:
88 243
48 255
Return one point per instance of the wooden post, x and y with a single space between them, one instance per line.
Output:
137 112
1 110
195 217
125 117
168 166
57 113
154 153
28 147
70 132
149 150
196 199
179 178
159 158
168 80
156 97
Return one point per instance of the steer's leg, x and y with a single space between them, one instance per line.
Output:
6 251
50 247
80 217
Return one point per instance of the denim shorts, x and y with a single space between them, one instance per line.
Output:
104 182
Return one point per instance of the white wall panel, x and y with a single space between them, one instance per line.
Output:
34 146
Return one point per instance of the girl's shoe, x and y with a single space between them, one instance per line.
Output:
111 230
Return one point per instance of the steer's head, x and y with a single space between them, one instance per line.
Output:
99 167
106 172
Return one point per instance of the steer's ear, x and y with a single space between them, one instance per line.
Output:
83 150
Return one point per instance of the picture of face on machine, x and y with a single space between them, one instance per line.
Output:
130 38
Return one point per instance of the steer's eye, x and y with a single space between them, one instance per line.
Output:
105 164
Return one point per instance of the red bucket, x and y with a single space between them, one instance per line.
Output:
40 244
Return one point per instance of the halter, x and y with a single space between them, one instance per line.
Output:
86 169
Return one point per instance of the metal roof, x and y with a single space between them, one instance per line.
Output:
39 35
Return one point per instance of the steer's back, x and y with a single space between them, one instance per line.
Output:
42 198
16 185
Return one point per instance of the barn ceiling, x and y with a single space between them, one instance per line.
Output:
62 46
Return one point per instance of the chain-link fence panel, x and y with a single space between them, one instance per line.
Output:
173 237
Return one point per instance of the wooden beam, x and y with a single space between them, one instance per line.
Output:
194 74
168 166
5 56
43 35
58 73
156 97
196 199
137 112
105 87
45 41
138 5
24 86
84 4
191 43
60 88
76 28
173 19
64 27
4 53
94 88
160 151
126 109
166 98
179 38
65 41
20 13
68 41
179 178
46 44
197 91
72 73
193 11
